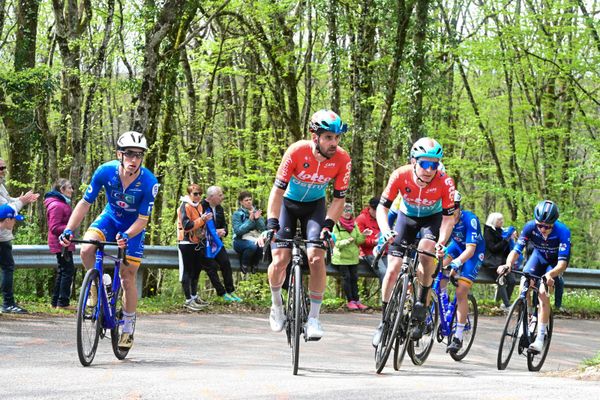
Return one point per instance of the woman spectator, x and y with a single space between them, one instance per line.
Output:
248 223
345 254
58 210
497 247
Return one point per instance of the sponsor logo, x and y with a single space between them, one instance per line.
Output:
318 178
306 165
474 224
431 190
562 247
285 167
407 189
155 189
122 204
89 189
138 184
347 174
481 255
329 165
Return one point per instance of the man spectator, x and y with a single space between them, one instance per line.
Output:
6 236
367 220
212 203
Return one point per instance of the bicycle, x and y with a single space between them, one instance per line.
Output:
297 304
397 317
444 310
521 326
107 313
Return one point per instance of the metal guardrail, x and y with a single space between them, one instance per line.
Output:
38 256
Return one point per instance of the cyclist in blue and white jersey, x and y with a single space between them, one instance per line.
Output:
465 253
551 241
130 191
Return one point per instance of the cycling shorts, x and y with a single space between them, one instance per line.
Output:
311 216
409 227
537 264
107 228
470 268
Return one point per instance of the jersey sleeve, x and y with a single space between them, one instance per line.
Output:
93 189
448 190
564 247
147 202
342 179
473 234
391 190
524 237
286 168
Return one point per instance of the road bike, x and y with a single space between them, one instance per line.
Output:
95 317
521 326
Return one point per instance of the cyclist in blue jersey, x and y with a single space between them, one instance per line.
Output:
551 242
465 254
130 191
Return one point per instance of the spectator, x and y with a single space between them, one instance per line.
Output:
58 210
190 223
212 203
497 247
367 220
345 254
6 236
248 223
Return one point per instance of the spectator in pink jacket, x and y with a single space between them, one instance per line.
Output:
58 211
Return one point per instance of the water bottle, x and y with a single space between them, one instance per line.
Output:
450 312
106 279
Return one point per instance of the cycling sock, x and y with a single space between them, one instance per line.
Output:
316 298
541 330
459 331
276 299
422 293
383 307
128 319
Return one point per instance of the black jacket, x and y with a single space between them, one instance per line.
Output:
218 215
496 247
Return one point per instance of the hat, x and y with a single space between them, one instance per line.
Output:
374 202
7 211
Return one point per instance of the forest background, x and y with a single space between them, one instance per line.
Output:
510 88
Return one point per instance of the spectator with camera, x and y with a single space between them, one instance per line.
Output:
248 223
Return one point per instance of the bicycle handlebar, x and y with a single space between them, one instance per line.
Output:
121 254
272 238
522 273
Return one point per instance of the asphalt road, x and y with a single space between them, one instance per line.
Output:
202 356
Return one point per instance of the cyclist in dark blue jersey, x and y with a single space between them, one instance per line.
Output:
551 242
130 191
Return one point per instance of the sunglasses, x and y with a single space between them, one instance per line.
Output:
196 193
428 164
2 168
133 154
544 226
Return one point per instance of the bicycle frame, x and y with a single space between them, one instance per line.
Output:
444 306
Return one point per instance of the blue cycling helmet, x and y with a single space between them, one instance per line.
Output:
426 147
326 120
546 212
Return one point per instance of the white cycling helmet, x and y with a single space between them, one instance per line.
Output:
132 139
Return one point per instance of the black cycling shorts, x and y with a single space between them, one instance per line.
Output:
409 227
311 216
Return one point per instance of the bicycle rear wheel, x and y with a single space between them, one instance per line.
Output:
115 333
419 350
535 361
469 331
89 319
391 324
407 299
294 315
510 333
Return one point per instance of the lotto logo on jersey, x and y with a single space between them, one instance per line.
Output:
347 174
305 176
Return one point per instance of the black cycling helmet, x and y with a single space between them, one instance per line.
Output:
546 212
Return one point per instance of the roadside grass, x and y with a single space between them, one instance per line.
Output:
591 362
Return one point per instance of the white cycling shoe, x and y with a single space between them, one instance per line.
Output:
277 318
537 345
314 331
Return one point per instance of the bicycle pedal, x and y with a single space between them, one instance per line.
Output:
312 339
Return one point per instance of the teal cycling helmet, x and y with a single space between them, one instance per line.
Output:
326 120
426 147
546 212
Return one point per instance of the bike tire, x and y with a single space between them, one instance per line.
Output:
296 311
536 361
401 331
89 320
470 329
391 322
419 350
510 333
115 333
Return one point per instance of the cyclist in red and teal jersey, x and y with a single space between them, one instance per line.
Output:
298 194
426 208
130 192
551 240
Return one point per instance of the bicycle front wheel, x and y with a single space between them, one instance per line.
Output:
391 324
418 350
89 318
535 361
468 332
294 315
407 299
510 333
115 333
